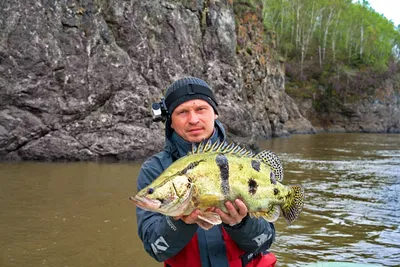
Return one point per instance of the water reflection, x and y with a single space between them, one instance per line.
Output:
78 214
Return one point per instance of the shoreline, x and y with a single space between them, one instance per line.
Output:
252 144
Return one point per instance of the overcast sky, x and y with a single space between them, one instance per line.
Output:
389 8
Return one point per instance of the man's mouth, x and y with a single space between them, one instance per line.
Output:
196 130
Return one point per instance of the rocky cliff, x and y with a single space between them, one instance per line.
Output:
375 113
77 78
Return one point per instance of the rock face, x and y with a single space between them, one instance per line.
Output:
379 113
77 77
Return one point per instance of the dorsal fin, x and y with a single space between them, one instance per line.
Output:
221 147
271 159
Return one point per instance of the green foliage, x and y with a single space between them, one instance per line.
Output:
342 46
332 30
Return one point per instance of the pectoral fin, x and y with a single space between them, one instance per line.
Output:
210 217
270 215
209 200
204 225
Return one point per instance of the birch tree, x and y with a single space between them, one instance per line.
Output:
338 31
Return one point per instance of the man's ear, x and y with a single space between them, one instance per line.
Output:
216 116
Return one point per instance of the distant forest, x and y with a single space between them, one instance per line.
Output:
342 46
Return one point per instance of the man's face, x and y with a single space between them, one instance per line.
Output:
193 120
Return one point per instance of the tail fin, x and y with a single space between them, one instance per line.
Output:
294 203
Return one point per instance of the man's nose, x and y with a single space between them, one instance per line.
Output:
194 118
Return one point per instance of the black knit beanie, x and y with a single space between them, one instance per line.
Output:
186 89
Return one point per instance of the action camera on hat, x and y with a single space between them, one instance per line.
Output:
182 90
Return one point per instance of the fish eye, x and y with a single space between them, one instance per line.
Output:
150 191
276 191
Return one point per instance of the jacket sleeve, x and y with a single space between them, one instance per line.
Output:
252 234
162 236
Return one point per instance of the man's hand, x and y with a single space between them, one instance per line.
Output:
235 214
194 218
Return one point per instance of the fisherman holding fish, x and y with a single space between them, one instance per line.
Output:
193 210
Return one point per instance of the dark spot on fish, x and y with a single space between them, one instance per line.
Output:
256 165
150 191
240 167
222 163
192 165
272 177
276 191
161 200
252 186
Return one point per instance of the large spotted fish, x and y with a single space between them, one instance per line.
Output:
213 173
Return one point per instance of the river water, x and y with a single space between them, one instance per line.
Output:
78 214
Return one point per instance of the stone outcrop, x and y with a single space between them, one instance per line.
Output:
77 77
378 113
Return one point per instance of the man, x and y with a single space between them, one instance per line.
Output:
191 116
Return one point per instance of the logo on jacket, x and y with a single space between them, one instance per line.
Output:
261 239
171 224
160 245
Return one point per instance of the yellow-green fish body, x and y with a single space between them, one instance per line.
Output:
215 173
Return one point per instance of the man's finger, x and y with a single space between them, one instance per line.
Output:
231 209
192 217
241 207
211 209
224 217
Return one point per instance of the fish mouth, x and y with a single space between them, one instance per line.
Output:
168 207
146 203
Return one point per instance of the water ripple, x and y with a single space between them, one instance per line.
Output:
352 209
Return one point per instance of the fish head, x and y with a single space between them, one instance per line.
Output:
169 196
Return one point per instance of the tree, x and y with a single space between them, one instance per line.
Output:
356 33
